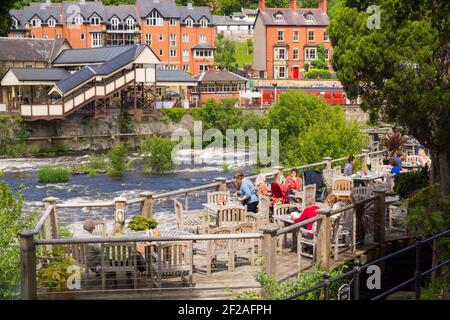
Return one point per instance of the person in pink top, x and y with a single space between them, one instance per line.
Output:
309 212
293 182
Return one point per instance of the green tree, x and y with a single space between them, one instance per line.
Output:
400 70
12 222
221 115
225 52
157 154
249 46
321 61
118 158
227 7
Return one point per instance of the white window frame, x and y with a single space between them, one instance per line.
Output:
154 19
308 54
78 20
204 67
278 16
15 23
172 53
203 53
280 32
130 23
96 40
280 57
185 55
326 36
277 72
172 22
189 23
309 16
295 52
185 38
115 23
185 67
148 39
45 36
51 22
202 38
296 36
173 39
204 23
313 33
94 21
327 54
36 22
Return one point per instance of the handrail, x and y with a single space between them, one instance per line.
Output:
193 237
44 217
297 225
186 190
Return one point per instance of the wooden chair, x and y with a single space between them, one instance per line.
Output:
338 171
244 245
100 228
306 239
255 219
396 214
279 210
230 216
342 188
79 251
342 236
172 259
363 192
218 197
119 259
219 247
308 195
191 224
328 177
264 210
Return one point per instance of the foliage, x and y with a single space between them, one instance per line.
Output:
244 53
157 154
310 129
437 289
48 174
53 269
318 73
272 290
140 223
399 69
64 232
221 115
17 150
407 183
12 222
118 158
96 164
225 52
173 114
321 62
394 142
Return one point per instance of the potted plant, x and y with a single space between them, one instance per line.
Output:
140 223
394 142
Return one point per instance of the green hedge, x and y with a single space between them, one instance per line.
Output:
409 182
47 174
173 114
318 73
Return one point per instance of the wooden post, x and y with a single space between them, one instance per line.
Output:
147 204
269 249
324 239
380 216
119 216
28 266
327 162
223 183
364 160
279 174
51 201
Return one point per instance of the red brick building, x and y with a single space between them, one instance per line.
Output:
181 37
287 38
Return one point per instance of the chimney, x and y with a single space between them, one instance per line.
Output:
323 5
190 6
293 4
262 5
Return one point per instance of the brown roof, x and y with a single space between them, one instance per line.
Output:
294 17
218 75
27 49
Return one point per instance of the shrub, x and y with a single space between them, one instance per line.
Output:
47 174
408 182
118 159
12 222
221 115
173 114
53 272
157 154
318 73
140 223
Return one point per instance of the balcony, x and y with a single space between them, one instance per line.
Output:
121 28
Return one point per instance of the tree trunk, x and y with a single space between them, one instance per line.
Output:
440 168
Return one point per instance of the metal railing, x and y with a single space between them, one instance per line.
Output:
357 269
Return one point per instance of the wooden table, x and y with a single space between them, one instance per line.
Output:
410 166
213 208
367 179
287 220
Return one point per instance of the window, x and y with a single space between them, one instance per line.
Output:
296 36
173 39
130 23
161 37
310 53
278 17
51 22
280 54
185 55
280 72
189 22
311 36
186 67
28 66
95 21
82 36
36 22
280 36
114 24
161 52
327 54
114 39
154 19
204 23
129 39
185 38
203 67
172 22
78 20
309 16
202 38
173 52
96 40
325 36
295 54
45 36
148 39
199 53
33 36
15 23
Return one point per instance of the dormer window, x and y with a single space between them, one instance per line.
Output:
189 22
95 21
309 16
36 22
204 23
78 20
130 23
15 23
51 22
278 16
154 19
114 23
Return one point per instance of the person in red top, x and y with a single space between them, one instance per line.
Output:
293 182
309 212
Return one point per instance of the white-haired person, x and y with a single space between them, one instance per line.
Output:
260 185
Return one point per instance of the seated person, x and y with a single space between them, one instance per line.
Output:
309 212
398 160
423 158
279 194
260 185
348 169
395 168
293 182
94 250
334 204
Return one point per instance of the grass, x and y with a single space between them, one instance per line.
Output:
47 174
241 54
96 164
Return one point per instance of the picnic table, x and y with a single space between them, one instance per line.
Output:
410 166
369 178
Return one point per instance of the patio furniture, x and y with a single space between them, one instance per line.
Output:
171 259
306 244
309 195
255 219
341 237
281 210
264 210
231 215
218 197
328 176
100 228
244 245
119 259
342 188
193 223
219 247
338 171
363 192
